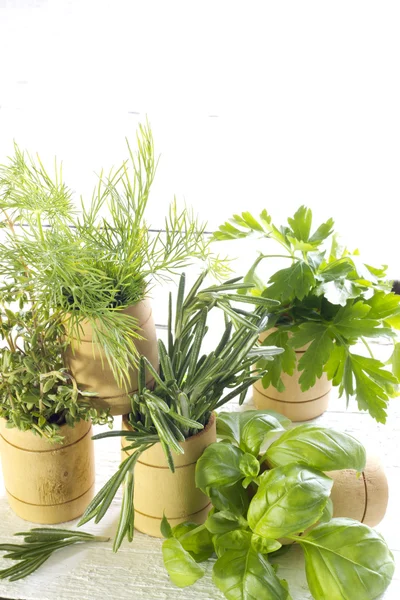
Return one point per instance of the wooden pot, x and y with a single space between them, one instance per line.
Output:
364 498
159 491
292 402
89 365
45 482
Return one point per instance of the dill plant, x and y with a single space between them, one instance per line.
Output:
91 263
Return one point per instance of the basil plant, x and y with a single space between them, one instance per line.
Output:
262 498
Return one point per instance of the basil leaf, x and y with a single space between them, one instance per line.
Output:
182 528
289 499
318 447
182 568
245 575
233 498
345 560
264 545
237 539
219 465
249 465
328 512
198 542
223 521
249 428
165 528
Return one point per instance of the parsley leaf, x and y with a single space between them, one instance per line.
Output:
285 362
294 282
316 356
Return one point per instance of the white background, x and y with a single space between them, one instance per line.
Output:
253 104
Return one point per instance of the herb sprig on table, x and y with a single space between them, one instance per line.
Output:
39 544
329 299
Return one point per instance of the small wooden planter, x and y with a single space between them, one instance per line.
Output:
364 498
48 483
89 365
159 491
292 402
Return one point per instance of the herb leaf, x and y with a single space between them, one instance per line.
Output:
346 560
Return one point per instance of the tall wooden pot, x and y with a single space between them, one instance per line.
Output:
292 402
89 365
158 491
48 483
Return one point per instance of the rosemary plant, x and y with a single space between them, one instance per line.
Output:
89 264
39 544
189 386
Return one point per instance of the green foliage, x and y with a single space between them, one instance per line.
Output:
39 544
252 429
245 574
356 551
289 499
91 263
344 558
330 300
189 386
316 446
36 392
174 556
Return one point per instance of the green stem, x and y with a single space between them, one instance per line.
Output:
280 256
364 341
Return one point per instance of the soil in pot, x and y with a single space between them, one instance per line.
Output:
158 491
48 483
89 365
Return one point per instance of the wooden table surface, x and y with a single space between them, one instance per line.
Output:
136 572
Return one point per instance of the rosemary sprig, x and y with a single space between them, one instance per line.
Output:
189 386
38 546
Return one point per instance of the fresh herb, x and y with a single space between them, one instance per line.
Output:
287 497
92 263
37 393
329 299
39 544
190 384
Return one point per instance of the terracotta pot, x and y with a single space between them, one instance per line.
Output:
365 498
159 491
89 365
292 402
48 483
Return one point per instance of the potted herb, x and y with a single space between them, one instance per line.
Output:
169 427
95 266
329 301
288 501
45 419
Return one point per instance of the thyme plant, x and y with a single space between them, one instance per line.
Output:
36 392
89 264
190 384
